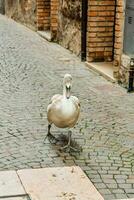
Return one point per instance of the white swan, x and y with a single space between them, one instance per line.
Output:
64 110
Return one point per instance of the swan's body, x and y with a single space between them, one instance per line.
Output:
63 110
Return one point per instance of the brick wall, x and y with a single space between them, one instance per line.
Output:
54 18
47 16
101 16
43 14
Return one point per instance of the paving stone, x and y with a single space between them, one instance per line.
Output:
109 197
130 181
120 180
112 185
100 185
120 176
129 190
117 191
58 183
127 199
125 185
105 191
130 196
10 184
107 176
108 180
121 196
113 172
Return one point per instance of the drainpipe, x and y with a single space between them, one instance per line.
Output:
131 76
84 29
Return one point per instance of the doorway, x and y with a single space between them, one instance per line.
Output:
43 15
2 7
100 36
43 18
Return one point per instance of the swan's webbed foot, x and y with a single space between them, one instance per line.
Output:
68 147
52 139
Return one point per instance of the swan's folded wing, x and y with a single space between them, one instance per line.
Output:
49 112
55 97
76 100
52 105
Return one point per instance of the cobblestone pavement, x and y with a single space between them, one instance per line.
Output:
31 71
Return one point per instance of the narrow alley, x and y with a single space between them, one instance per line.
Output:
31 71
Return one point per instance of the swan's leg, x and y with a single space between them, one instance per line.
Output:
48 132
68 146
51 137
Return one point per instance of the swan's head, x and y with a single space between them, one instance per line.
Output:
67 82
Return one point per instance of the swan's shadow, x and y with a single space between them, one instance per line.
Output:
63 141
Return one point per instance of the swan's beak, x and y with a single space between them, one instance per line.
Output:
68 91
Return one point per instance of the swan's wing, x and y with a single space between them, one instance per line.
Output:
53 101
76 101
49 112
52 106
55 97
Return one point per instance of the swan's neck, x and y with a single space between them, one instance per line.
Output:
66 93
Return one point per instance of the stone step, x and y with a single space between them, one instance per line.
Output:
10 184
16 198
62 183
45 34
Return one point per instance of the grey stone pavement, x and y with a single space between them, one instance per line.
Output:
31 71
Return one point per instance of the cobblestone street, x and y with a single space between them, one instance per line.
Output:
31 71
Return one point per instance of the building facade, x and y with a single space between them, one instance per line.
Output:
63 19
100 30
110 35
23 11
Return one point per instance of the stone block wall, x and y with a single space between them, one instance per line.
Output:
101 17
23 11
62 18
120 69
69 25
119 31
